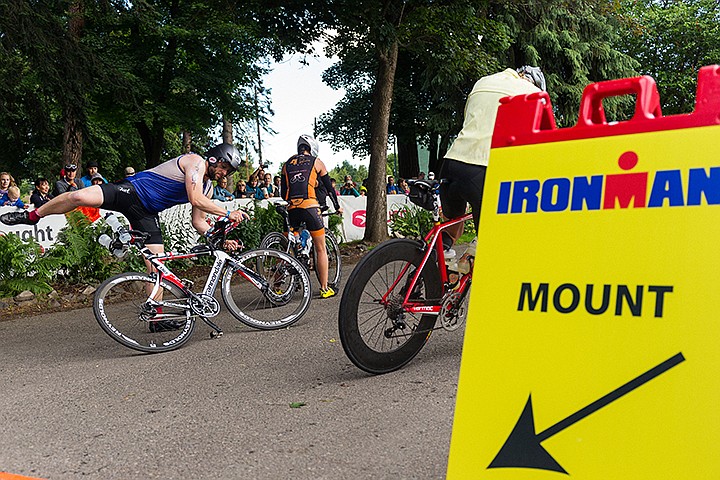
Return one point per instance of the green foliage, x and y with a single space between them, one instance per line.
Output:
672 40
79 255
410 221
262 221
334 225
24 267
358 173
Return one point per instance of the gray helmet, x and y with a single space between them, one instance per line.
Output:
534 74
310 142
224 152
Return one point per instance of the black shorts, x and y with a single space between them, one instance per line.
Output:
121 197
463 184
310 216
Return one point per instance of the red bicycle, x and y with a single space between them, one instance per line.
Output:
400 292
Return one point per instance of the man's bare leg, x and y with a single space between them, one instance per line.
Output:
65 202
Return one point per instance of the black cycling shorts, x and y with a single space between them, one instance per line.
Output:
463 184
311 217
121 197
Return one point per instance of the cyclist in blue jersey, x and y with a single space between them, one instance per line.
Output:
140 197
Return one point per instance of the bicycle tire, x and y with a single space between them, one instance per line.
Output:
276 241
120 309
334 261
280 307
363 321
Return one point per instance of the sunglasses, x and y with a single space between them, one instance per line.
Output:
71 166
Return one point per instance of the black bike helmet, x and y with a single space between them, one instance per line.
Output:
224 152
534 74
310 142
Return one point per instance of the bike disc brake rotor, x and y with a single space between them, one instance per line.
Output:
453 312
204 305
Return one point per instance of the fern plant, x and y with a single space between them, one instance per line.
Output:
79 255
24 267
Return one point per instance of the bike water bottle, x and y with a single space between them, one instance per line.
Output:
118 228
305 241
105 241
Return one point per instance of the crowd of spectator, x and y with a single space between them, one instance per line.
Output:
67 182
259 185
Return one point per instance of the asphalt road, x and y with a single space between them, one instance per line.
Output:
73 403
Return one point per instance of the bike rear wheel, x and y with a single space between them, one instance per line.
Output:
334 261
281 301
122 310
379 337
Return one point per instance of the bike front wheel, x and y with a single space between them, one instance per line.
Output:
122 309
377 334
266 289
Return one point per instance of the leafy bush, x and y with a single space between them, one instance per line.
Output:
410 221
414 222
24 267
262 221
78 254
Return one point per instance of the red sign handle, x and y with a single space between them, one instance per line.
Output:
647 104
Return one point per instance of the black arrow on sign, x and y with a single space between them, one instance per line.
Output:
522 449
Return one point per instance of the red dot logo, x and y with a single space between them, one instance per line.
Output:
628 160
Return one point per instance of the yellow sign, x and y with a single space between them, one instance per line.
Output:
592 348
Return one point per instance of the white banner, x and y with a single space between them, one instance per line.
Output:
179 231
354 213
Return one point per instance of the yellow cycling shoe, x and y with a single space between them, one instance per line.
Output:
327 293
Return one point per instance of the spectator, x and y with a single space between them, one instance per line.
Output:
253 190
97 179
12 198
348 187
6 181
363 190
241 190
276 184
403 186
92 170
129 172
334 186
221 192
392 189
41 195
268 187
67 180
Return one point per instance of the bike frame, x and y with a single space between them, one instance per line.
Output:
431 245
221 259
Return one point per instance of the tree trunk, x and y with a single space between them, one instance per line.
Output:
433 164
227 132
408 162
73 115
72 137
153 140
186 142
376 214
